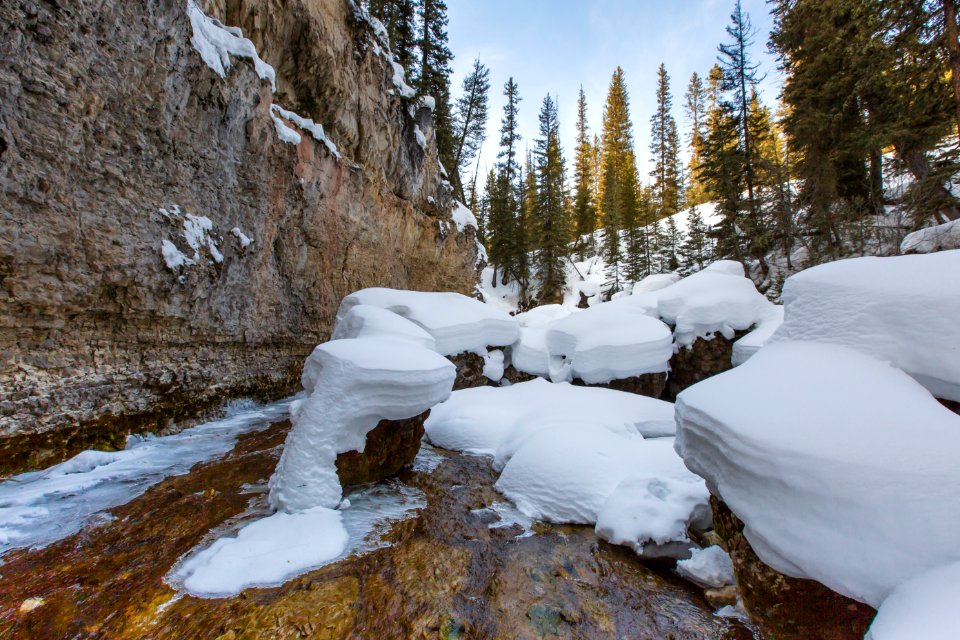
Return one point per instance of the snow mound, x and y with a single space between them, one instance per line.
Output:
651 509
715 300
729 267
266 551
494 420
457 323
529 353
655 282
607 342
352 385
899 309
367 321
938 238
842 468
923 607
749 344
570 474
710 567
216 43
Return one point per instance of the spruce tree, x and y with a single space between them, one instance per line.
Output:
399 17
551 223
618 178
664 146
470 121
739 79
695 108
695 251
433 78
584 168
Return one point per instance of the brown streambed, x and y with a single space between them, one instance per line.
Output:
445 575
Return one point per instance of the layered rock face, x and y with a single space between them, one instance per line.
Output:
113 130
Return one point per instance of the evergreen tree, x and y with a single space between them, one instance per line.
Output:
433 78
739 79
673 241
695 107
664 145
722 175
400 19
618 178
551 222
695 252
470 121
584 170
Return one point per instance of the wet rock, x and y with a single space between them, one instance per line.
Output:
392 445
648 384
513 375
469 371
703 359
722 596
783 607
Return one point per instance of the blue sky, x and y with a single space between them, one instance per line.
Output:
554 46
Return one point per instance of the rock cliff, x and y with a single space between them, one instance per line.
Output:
168 237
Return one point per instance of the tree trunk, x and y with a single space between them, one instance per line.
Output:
953 52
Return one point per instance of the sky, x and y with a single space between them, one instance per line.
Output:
555 46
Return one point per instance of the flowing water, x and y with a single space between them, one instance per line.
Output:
451 559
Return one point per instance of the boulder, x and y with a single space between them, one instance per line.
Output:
392 445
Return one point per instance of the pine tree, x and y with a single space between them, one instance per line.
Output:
618 178
400 19
664 145
695 252
695 108
551 224
433 78
739 79
470 121
584 169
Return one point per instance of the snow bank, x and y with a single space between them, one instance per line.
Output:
655 282
367 321
650 510
580 454
41 507
491 420
842 468
352 385
710 567
607 342
715 300
457 323
529 353
216 43
269 551
636 491
900 309
923 607
266 551
938 238
749 344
